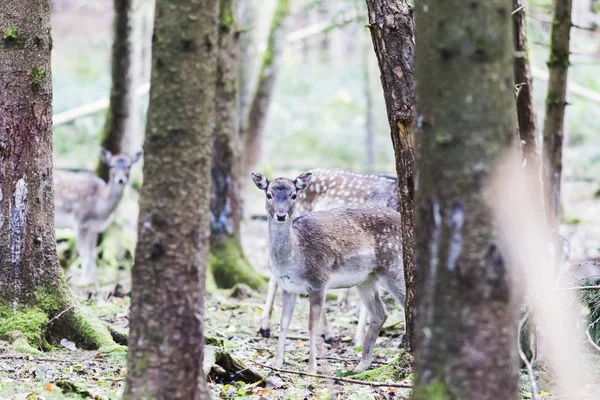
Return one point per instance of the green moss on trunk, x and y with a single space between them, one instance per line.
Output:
230 266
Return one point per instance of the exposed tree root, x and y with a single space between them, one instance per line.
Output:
230 266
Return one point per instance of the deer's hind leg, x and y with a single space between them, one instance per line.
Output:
369 294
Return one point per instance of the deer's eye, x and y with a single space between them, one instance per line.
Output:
294 197
269 196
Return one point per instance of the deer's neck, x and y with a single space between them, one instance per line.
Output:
112 197
281 244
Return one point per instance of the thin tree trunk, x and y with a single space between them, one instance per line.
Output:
121 91
246 12
229 265
392 32
466 330
556 100
166 336
369 145
253 129
32 288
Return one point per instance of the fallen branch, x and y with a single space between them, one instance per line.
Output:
57 316
334 378
562 289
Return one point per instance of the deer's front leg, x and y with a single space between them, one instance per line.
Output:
289 302
265 330
316 307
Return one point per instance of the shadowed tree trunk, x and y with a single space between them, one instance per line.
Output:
253 128
392 32
466 330
556 100
166 335
36 307
121 91
523 81
228 263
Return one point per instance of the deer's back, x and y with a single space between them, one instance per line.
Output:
341 247
75 195
336 188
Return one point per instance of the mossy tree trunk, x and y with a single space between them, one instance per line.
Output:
466 330
392 31
556 100
228 263
122 90
166 334
253 128
35 302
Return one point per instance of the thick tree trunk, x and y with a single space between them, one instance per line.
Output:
121 91
466 330
253 128
229 265
166 335
392 32
32 289
556 100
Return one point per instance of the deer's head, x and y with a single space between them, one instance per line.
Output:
120 165
281 194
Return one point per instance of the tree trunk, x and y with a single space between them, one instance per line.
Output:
466 330
253 128
392 32
369 145
523 81
166 335
246 12
36 306
121 91
556 100
229 265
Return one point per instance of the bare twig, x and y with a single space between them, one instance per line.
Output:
57 316
534 388
517 10
589 337
334 378
562 289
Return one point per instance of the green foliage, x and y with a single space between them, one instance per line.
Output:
11 34
29 321
436 390
396 370
591 298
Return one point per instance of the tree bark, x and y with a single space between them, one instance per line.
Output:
229 265
35 302
166 335
253 128
523 80
121 91
556 100
392 32
467 312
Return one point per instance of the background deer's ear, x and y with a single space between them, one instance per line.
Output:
303 180
105 156
135 158
259 180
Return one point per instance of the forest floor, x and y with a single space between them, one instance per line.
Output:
75 373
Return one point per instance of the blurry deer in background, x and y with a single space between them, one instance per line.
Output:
331 188
338 248
85 203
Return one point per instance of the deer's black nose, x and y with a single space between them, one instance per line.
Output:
281 217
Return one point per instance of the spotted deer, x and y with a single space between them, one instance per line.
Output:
331 188
337 248
85 203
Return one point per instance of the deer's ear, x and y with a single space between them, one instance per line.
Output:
136 157
303 180
260 180
105 156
